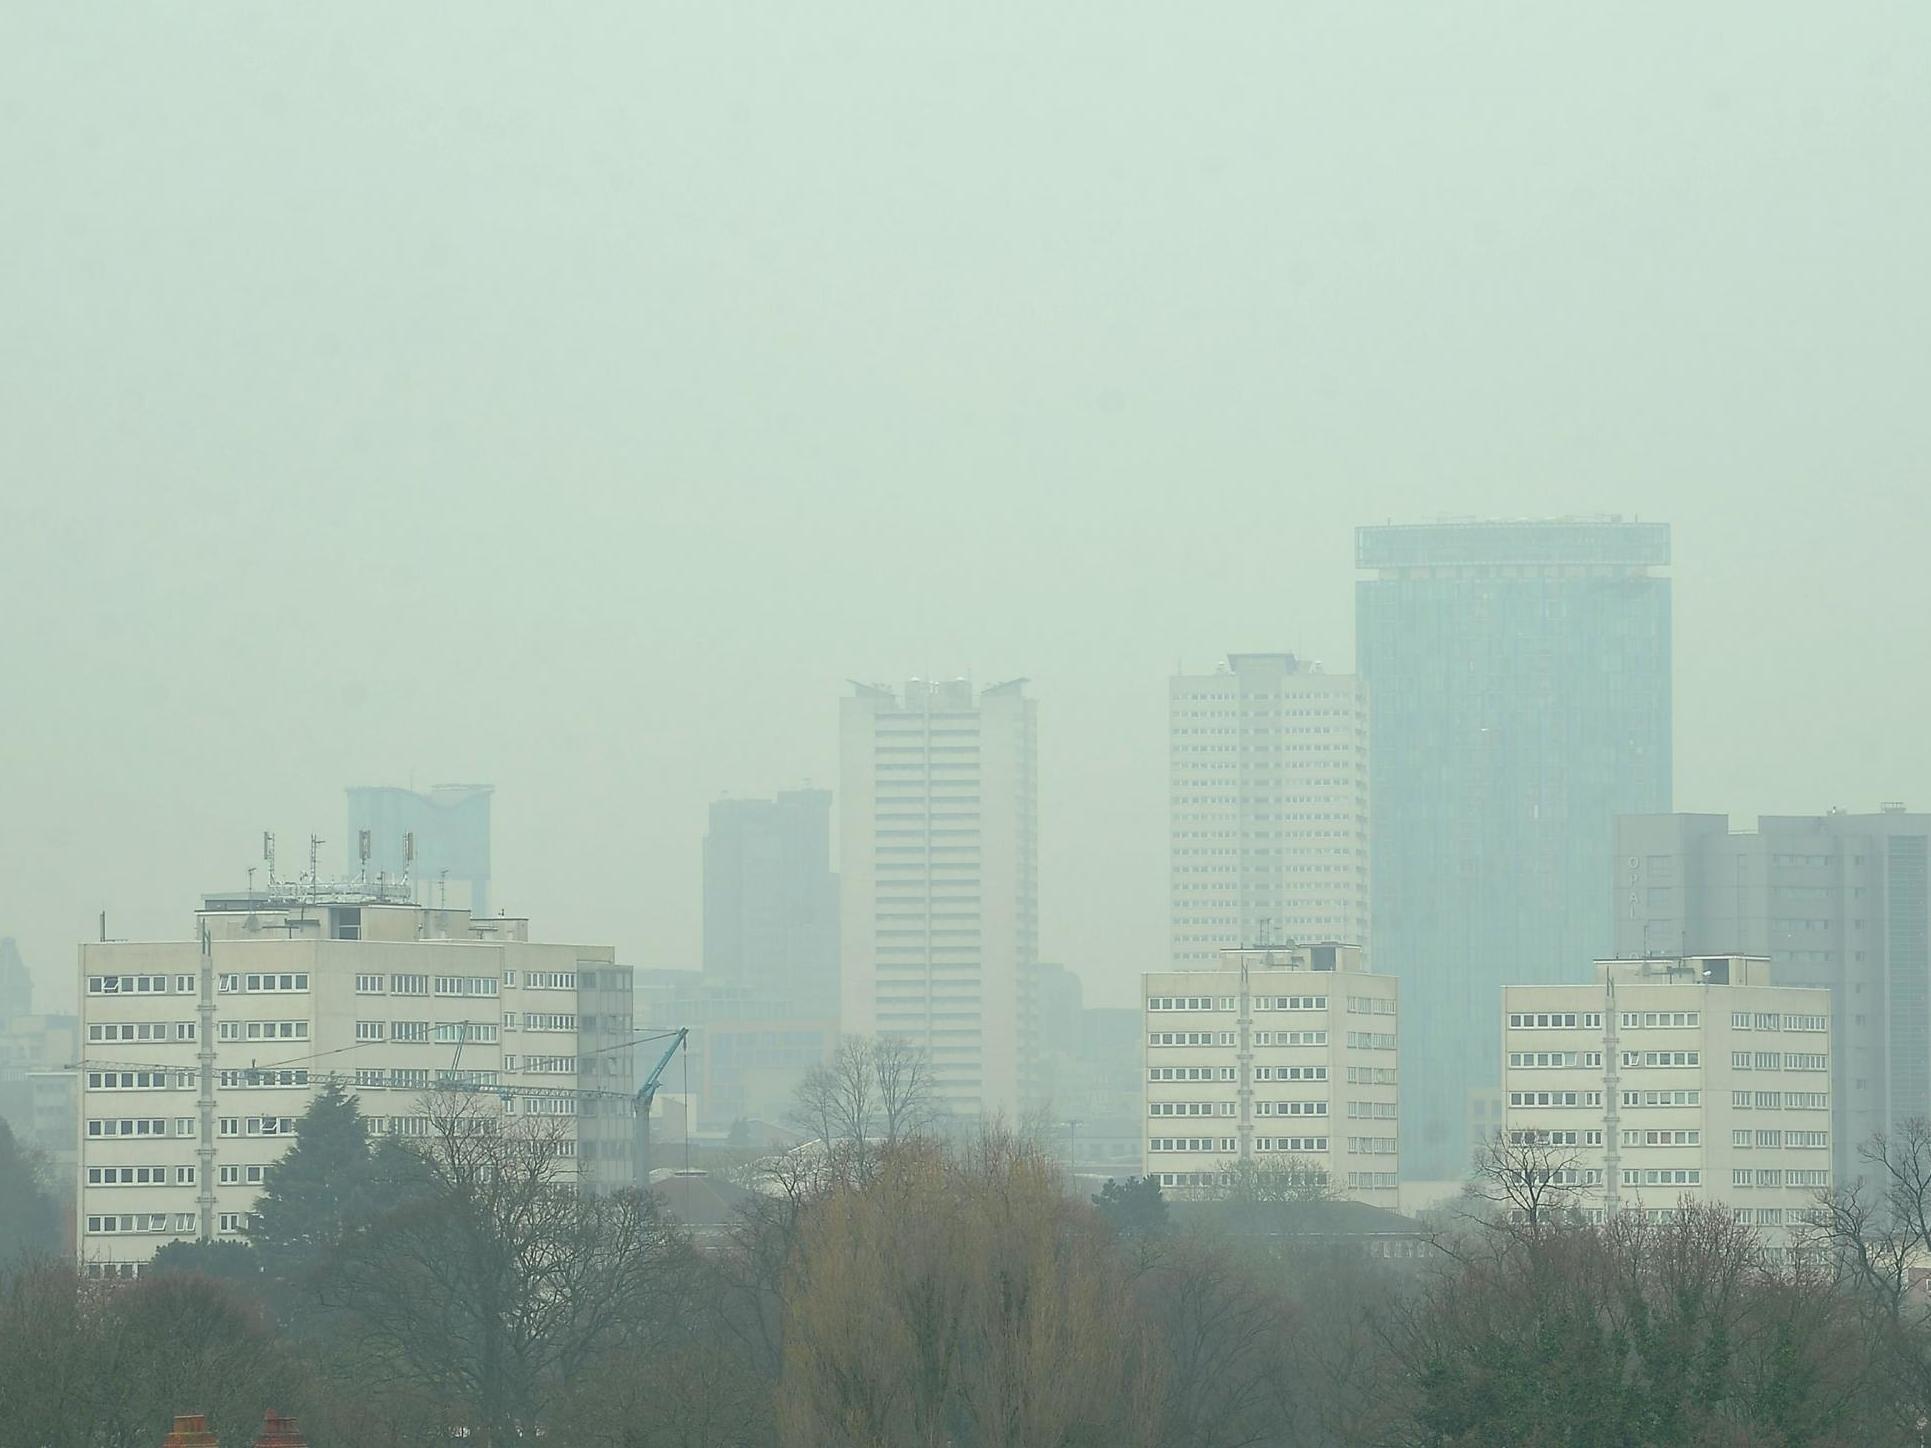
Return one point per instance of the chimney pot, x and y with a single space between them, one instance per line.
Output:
190 1431
278 1431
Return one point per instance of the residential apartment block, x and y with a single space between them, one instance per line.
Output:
939 879
201 1056
1669 1078
1275 1055
1837 901
1268 805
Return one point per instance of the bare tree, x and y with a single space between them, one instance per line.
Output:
908 1101
871 1094
1529 1184
498 1280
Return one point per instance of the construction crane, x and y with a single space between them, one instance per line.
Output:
646 1094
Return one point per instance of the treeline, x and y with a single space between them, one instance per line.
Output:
903 1288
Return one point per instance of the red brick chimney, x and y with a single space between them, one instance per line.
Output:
190 1431
280 1432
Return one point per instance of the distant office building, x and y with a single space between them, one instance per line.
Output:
1519 677
394 1001
1086 1087
1671 1078
16 982
1836 901
771 899
1269 806
37 1090
1274 1056
448 828
40 1093
938 878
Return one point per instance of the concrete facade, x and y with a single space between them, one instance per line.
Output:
1835 901
1278 1055
1671 1078
939 879
393 1001
1268 805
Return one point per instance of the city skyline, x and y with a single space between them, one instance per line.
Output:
1018 432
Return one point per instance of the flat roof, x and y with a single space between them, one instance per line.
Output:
1519 541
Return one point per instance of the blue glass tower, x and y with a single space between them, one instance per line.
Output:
1519 700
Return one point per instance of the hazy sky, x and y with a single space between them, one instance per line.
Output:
572 397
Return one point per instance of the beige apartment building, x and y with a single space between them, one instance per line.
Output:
1268 803
200 1056
938 880
1677 1077
1276 1055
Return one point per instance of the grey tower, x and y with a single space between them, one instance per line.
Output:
450 827
1835 900
1519 698
771 900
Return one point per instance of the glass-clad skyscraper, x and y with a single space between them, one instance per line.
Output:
1519 700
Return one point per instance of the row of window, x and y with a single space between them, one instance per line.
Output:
1370 1006
1555 1020
1371 1040
1779 1177
262 983
261 1031
446 1033
1796 1140
1780 1100
263 1076
141 1031
141 985
180 1176
1190 1073
1773 1021
1259 1003
139 1081
1779 1061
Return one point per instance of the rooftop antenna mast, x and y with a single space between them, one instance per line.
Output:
362 851
314 867
268 854
408 862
